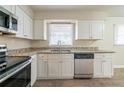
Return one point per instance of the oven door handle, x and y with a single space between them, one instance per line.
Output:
17 70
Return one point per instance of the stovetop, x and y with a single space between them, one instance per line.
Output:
12 61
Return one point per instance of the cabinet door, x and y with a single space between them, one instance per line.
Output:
67 66
83 30
98 71
20 15
33 69
67 69
54 69
42 69
96 30
30 28
38 30
107 68
42 66
26 26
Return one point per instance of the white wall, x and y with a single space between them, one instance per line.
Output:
105 44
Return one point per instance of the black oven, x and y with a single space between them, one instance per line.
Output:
15 71
19 77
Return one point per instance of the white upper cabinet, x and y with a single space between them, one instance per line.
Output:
97 28
90 30
27 27
25 24
20 15
83 30
39 30
13 9
7 7
10 8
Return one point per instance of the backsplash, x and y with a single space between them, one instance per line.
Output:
15 43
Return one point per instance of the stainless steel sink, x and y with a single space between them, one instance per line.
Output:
60 51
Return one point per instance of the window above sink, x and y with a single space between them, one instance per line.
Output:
60 31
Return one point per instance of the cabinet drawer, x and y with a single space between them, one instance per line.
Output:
68 56
68 60
105 55
43 56
102 60
54 56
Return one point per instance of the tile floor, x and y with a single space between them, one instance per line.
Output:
116 81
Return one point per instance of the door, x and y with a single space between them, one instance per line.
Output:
97 30
21 78
83 66
83 30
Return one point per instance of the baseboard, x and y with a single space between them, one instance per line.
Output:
118 66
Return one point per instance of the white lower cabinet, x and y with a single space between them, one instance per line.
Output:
103 66
33 69
67 70
68 66
55 66
42 66
107 69
97 68
42 70
54 70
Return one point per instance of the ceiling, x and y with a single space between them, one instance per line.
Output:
76 7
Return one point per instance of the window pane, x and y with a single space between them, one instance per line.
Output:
119 34
60 32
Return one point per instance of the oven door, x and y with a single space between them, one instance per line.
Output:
20 79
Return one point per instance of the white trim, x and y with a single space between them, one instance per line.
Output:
118 66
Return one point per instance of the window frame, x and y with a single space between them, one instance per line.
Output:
115 34
73 22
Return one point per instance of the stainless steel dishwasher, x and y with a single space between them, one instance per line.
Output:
83 65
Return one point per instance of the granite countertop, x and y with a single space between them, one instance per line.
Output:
30 52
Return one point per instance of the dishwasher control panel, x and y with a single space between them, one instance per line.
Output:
84 56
